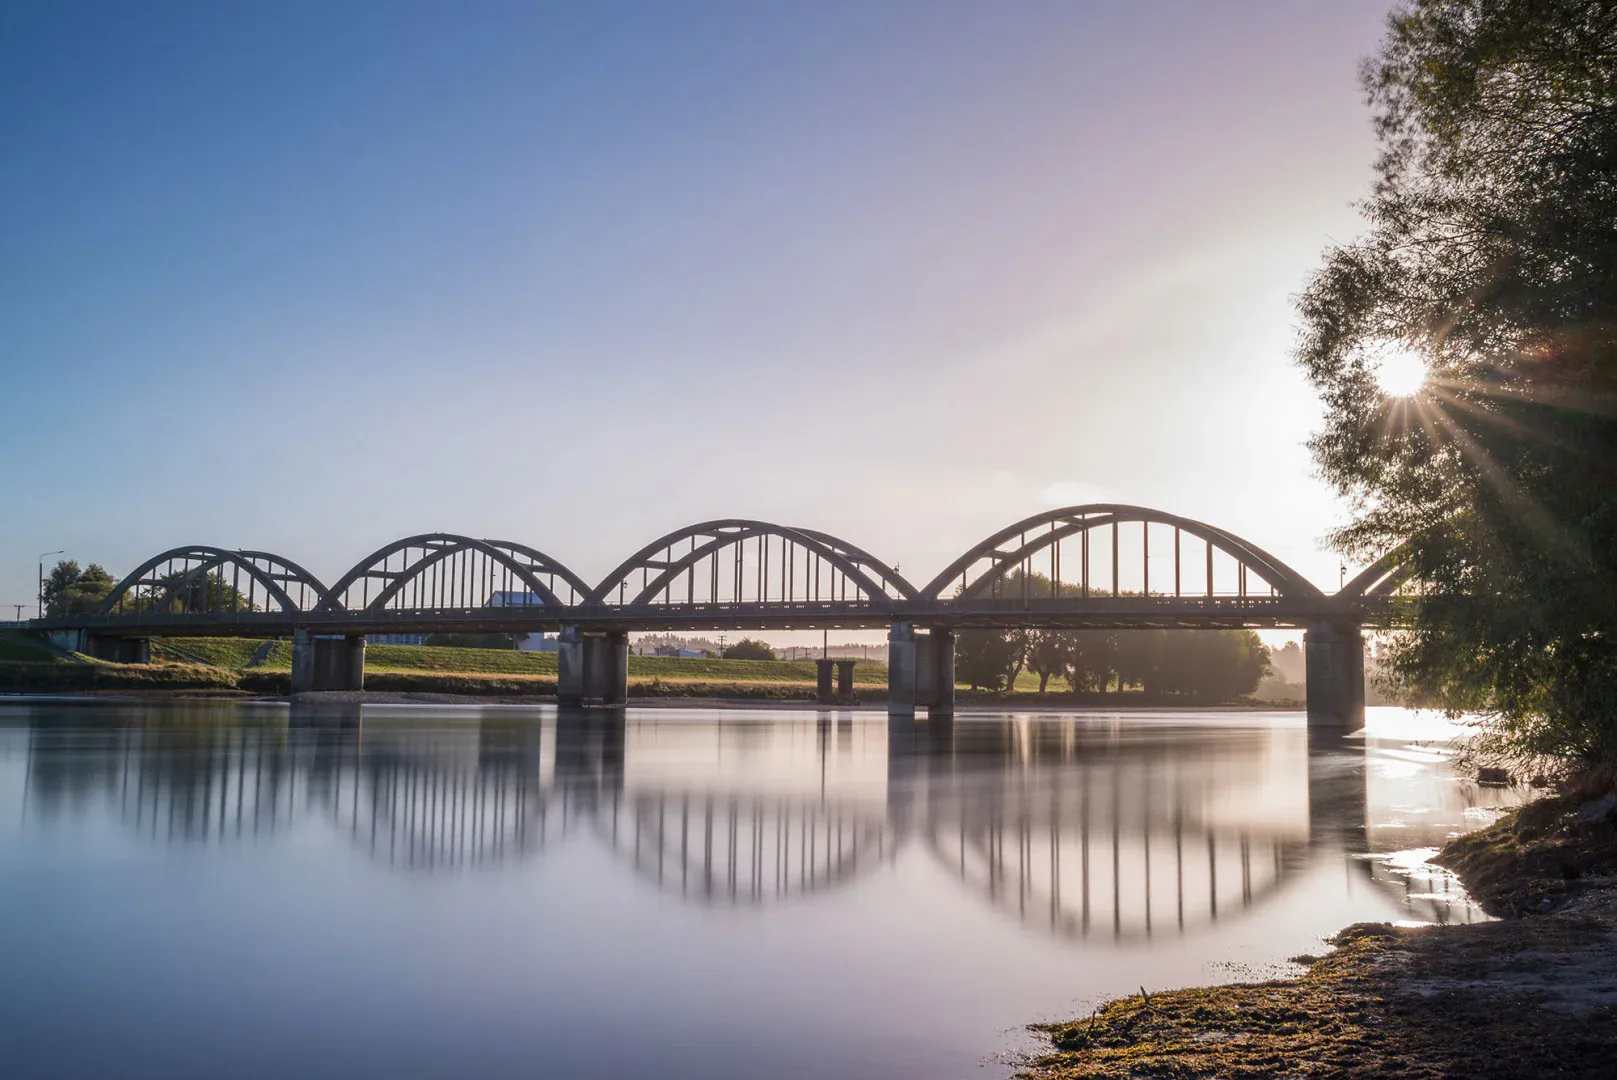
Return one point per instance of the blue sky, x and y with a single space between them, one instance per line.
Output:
310 277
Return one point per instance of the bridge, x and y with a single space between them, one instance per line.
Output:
1101 566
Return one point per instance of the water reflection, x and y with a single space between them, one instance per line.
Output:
1083 828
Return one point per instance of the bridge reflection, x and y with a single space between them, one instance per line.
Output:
1082 829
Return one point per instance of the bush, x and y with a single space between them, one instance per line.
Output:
749 649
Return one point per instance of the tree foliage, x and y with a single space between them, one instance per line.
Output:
749 649
1492 253
68 589
1206 665
191 592
983 659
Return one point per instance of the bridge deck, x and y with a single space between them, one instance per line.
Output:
1127 612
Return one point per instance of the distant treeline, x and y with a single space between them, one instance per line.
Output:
1208 665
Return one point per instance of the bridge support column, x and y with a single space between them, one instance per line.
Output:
920 670
823 693
327 663
845 695
592 668
1334 654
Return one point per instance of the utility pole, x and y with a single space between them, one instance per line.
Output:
19 608
43 556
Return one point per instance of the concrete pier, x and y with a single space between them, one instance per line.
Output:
1334 654
845 694
327 662
841 693
592 667
920 670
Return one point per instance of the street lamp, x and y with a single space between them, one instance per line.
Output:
43 556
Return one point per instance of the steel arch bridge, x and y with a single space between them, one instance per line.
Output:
1100 565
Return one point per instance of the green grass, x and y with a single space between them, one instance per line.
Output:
234 654
25 648
230 653
666 668
50 677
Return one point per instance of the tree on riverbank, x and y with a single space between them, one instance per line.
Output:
749 649
68 589
1206 665
1492 257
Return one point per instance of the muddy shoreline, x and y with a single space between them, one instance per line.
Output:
1533 994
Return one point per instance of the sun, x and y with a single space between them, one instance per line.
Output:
1400 373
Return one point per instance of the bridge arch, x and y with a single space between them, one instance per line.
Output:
736 560
1383 577
188 574
1105 874
1228 561
743 850
443 571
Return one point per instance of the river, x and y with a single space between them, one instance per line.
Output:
207 889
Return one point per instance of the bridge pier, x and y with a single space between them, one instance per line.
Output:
824 694
592 668
920 670
1334 654
327 662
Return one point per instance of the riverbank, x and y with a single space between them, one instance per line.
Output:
263 669
1530 995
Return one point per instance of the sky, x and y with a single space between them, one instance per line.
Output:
308 277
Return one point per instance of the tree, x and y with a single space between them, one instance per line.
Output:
199 593
1092 659
1220 665
1492 255
1048 652
69 589
749 649
983 658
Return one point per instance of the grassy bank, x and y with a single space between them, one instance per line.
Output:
68 678
17 648
239 654
1526 996
264 667
259 667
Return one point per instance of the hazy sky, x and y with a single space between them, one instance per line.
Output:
312 277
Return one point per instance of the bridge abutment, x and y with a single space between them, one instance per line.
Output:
327 662
920 670
117 650
1334 654
592 668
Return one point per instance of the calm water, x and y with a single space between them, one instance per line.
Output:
243 890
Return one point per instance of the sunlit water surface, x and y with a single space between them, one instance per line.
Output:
208 890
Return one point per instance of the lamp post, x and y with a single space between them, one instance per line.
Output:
43 556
